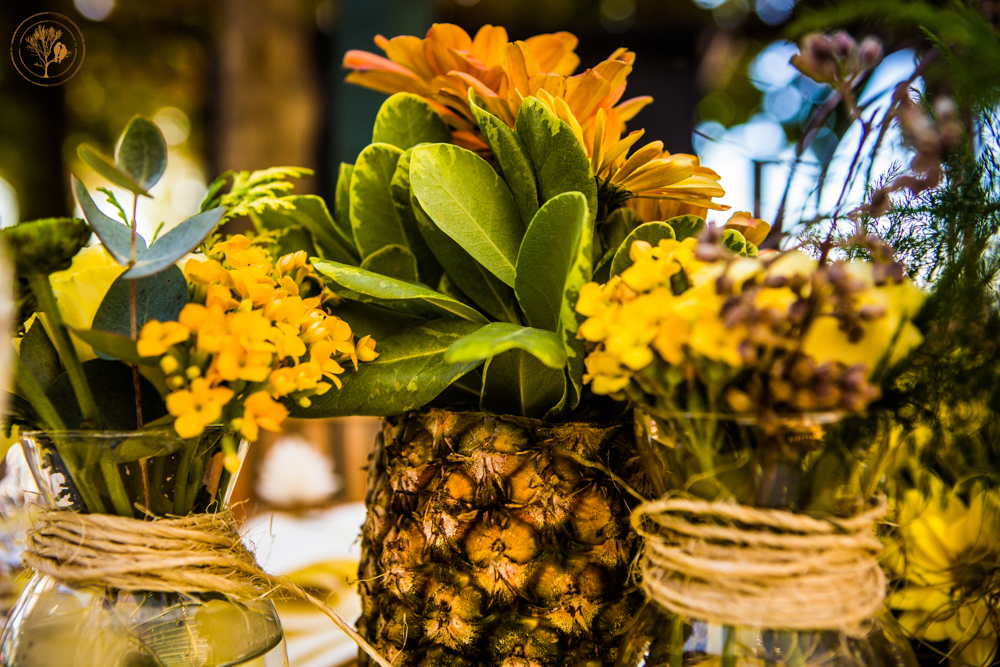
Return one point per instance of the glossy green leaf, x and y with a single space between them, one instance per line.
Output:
116 237
469 202
517 383
107 168
142 152
482 287
512 157
498 337
687 226
310 212
408 373
39 355
405 120
342 200
428 267
549 253
176 243
374 220
558 159
113 346
367 287
651 233
393 261
157 297
375 321
734 242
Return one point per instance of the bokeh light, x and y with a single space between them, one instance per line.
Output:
8 204
95 10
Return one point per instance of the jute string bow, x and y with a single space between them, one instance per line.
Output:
197 553
738 565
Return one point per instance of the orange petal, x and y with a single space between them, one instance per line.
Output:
621 148
657 174
387 82
409 52
451 36
555 52
615 71
650 151
629 108
469 141
488 45
584 93
597 143
521 68
362 61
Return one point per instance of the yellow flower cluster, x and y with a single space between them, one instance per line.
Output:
671 306
945 555
249 336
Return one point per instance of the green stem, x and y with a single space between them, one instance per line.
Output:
35 395
181 480
42 290
729 646
676 641
119 499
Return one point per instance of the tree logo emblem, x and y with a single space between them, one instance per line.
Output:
47 49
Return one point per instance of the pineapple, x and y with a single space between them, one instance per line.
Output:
491 541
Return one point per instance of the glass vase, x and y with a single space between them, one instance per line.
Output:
779 465
130 474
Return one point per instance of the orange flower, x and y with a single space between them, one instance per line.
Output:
197 407
260 411
157 337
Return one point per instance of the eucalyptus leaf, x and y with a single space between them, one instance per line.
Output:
482 287
469 202
39 355
408 373
113 346
405 120
142 152
498 337
176 243
394 261
515 166
559 161
157 297
517 383
107 168
111 383
734 242
548 254
367 287
116 237
687 226
310 213
342 200
428 267
374 220
651 233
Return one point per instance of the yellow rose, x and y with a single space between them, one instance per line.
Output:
80 289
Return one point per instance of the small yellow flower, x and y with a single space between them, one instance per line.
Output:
365 350
260 411
197 407
157 337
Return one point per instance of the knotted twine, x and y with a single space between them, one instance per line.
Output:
194 554
746 566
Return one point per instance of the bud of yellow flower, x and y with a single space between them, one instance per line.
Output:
169 364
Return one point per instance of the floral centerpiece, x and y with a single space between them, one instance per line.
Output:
139 370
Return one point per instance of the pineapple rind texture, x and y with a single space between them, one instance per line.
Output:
495 541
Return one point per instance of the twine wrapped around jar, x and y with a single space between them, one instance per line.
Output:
746 566
195 553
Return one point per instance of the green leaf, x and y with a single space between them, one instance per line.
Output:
482 287
406 120
428 267
342 200
408 373
157 297
498 337
107 168
113 346
469 202
310 212
517 383
515 166
374 220
687 226
116 237
370 320
367 287
176 243
559 161
651 232
142 152
548 254
40 356
112 385
393 261
734 242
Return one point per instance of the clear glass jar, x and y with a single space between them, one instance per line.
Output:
778 465
55 623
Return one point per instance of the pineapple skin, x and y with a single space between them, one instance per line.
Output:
489 540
